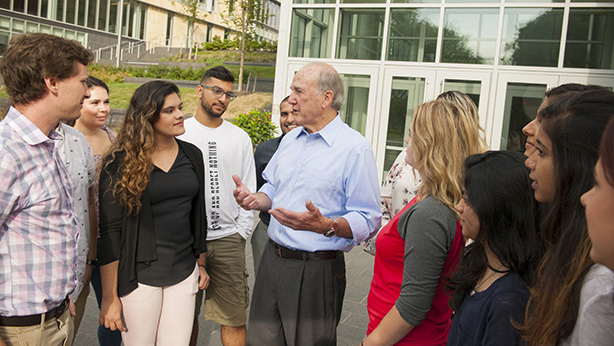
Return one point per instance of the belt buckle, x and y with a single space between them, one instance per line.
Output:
277 250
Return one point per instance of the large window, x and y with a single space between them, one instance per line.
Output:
311 35
531 36
91 14
102 14
413 34
591 42
468 35
361 34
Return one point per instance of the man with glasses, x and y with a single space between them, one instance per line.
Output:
227 150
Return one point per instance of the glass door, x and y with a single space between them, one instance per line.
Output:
404 89
518 98
475 84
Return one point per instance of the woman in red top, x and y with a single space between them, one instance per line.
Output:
419 247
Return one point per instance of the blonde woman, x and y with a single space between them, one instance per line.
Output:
401 183
417 249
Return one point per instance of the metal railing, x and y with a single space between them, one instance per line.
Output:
145 47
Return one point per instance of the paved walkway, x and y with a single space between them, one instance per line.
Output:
351 330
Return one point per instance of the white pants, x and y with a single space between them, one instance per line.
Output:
160 315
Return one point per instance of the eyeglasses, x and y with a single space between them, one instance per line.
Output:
218 92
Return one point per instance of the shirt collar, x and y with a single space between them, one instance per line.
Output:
328 133
26 129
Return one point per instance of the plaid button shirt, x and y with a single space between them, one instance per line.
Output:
38 227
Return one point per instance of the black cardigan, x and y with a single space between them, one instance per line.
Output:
130 238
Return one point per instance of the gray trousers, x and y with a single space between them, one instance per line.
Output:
259 241
296 302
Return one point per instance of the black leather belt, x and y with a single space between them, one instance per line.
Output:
284 252
31 320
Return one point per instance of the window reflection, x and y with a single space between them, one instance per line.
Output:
354 109
591 42
361 34
531 37
522 101
406 94
413 34
311 35
469 35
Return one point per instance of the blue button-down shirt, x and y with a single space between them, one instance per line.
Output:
335 169
38 226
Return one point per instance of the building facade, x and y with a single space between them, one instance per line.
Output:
395 54
96 23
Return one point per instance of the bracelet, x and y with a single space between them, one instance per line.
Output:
93 262
202 265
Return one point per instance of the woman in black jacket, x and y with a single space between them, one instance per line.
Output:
152 223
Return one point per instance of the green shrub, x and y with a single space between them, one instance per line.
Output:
257 124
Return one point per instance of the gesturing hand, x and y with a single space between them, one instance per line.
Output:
245 199
308 220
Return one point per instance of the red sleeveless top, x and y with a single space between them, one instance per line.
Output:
387 279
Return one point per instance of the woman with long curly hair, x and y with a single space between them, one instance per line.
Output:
599 203
572 300
152 223
490 285
421 244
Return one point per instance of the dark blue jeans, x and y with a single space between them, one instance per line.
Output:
106 337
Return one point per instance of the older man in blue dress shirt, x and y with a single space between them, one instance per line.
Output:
323 193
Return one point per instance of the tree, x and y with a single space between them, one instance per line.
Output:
245 17
189 11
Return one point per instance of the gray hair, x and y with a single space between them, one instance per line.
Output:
329 79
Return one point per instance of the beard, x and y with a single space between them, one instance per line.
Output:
208 108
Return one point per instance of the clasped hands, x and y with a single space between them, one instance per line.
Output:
308 220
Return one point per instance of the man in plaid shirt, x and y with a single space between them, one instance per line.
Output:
45 77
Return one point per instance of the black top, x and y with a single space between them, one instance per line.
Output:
171 194
131 238
484 318
262 156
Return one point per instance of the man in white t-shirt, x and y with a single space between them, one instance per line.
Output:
227 150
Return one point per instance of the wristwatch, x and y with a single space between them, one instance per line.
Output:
333 230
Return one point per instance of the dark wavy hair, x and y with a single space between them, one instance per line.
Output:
135 143
499 191
574 125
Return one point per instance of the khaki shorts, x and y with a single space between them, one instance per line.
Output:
227 297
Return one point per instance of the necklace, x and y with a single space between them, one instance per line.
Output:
494 271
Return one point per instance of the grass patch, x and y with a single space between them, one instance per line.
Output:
225 55
122 92
262 71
